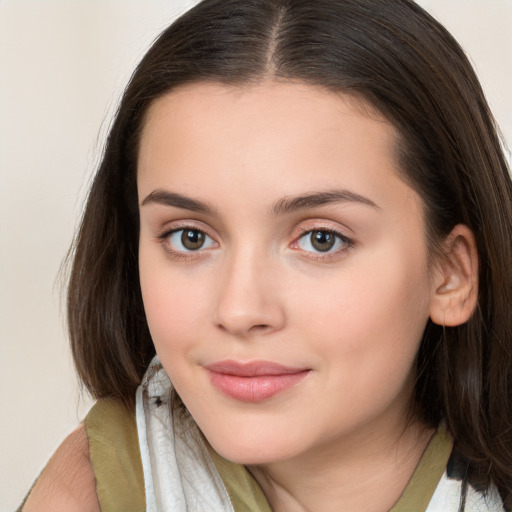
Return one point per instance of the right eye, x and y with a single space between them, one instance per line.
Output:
189 240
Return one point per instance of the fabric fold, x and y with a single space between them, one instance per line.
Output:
179 474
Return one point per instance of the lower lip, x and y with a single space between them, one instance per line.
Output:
257 388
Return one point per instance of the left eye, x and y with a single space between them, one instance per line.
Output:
188 240
321 240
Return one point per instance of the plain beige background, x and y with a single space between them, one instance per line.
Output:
63 65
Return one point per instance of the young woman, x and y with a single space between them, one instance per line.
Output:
304 210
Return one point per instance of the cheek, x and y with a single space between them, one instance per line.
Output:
370 320
366 298
174 303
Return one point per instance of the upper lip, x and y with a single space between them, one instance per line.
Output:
252 368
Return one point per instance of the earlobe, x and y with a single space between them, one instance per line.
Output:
455 293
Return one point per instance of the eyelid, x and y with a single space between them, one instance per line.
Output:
322 225
184 225
177 225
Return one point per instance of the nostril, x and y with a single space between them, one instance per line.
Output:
259 327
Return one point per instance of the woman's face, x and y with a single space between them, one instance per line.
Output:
283 267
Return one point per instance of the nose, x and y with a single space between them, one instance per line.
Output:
249 299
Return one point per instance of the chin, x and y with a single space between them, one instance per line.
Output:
251 450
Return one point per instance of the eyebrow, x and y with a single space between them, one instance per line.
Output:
281 207
166 198
314 199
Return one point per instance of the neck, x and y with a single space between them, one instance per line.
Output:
367 472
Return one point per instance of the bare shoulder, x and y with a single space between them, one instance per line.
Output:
67 483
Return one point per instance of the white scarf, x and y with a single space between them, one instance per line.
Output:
179 475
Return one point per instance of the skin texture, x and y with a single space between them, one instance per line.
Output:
257 289
67 483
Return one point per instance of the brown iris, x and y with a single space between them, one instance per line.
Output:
322 241
192 239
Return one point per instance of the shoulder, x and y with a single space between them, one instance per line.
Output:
67 483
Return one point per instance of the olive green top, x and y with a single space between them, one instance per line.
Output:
115 457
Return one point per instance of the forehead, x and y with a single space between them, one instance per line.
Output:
274 100
274 112
246 148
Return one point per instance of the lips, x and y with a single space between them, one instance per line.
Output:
255 381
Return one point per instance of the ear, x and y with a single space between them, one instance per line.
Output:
455 279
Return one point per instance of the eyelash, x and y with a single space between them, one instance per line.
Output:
347 243
181 254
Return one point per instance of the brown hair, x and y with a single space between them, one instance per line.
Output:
406 65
